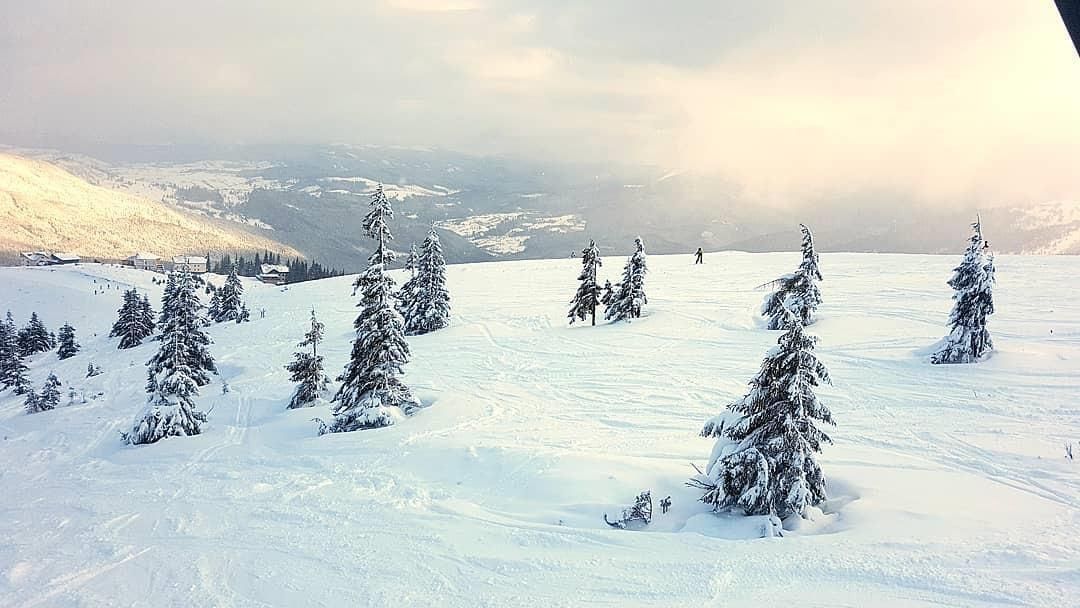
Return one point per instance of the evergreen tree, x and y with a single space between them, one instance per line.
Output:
19 383
412 260
307 368
973 282
588 294
146 314
181 309
134 321
371 394
32 403
229 302
798 291
763 462
9 351
375 226
244 316
213 311
34 338
176 371
629 295
68 346
50 393
425 300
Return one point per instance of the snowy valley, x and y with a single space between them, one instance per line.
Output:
948 485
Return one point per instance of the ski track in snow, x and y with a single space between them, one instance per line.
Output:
948 484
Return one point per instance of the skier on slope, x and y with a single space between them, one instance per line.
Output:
698 255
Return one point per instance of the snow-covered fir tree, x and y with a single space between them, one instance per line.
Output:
230 305
180 307
176 371
133 322
372 394
68 347
607 296
629 294
50 393
244 315
147 314
798 291
588 295
763 462
48 399
973 282
375 226
213 310
9 351
424 299
306 369
410 262
12 369
34 338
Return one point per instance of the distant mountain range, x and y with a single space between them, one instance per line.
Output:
312 199
44 207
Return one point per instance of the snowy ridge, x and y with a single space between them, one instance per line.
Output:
943 481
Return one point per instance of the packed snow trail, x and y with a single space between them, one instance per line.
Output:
948 484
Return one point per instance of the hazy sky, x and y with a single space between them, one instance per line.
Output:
946 98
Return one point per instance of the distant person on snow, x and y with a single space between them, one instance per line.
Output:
698 255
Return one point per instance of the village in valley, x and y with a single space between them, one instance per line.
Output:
272 274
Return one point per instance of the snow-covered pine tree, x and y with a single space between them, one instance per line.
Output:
411 261
181 308
371 393
608 294
763 461
230 300
34 338
425 300
307 368
629 295
376 227
131 321
50 393
213 311
798 291
32 403
146 313
973 281
176 371
68 346
244 315
9 351
588 294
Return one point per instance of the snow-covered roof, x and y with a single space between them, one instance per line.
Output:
66 256
144 256
35 255
189 259
274 268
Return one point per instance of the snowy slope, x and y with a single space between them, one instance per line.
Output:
949 484
45 207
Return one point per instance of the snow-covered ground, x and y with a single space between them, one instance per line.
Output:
949 485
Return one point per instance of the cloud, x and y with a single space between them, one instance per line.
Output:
790 100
